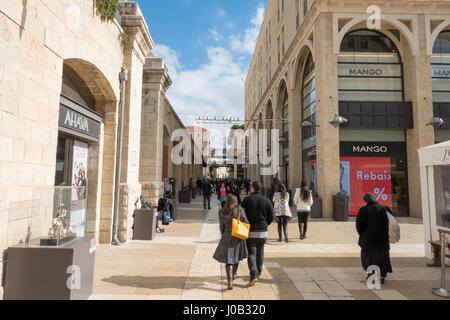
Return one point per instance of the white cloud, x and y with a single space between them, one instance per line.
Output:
170 56
246 42
216 35
215 88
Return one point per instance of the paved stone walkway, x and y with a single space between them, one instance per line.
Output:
178 265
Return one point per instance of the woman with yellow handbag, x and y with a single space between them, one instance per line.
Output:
232 249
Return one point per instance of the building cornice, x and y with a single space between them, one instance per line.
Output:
134 24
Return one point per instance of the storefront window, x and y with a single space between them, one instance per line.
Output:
372 160
309 114
285 133
440 68
369 68
440 77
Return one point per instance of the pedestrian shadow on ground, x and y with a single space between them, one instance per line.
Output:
155 283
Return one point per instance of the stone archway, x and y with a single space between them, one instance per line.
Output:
101 162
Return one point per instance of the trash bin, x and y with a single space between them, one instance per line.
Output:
316 208
184 196
340 207
145 224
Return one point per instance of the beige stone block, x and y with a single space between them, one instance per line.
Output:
333 288
315 296
307 287
14 127
6 149
389 295
33 152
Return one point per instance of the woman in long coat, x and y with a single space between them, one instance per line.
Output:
230 250
372 225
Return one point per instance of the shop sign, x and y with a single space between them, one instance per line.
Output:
369 70
372 148
439 71
78 123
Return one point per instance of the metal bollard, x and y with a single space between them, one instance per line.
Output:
442 292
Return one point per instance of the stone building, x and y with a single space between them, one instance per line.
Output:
59 117
384 68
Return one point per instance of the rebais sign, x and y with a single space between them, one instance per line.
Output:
363 175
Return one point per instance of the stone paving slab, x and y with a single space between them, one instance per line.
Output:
325 266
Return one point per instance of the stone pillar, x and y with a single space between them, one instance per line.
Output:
328 179
417 88
295 138
140 44
156 82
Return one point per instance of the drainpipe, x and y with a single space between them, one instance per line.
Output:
123 77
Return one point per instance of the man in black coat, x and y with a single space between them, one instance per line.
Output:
260 214
206 194
372 225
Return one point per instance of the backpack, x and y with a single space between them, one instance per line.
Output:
394 228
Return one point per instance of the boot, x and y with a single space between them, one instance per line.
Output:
235 269
229 271
301 231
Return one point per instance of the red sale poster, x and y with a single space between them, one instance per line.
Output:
363 175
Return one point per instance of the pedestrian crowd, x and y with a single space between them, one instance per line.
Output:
261 207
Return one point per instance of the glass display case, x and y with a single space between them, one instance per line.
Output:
442 196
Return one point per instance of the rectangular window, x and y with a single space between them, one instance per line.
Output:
282 5
278 10
282 42
305 7
297 14
279 56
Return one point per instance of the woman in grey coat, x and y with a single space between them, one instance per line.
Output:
230 250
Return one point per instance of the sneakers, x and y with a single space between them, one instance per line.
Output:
252 282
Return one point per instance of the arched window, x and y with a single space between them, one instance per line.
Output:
309 103
308 114
285 133
440 68
370 68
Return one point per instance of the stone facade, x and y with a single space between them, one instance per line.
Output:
40 39
319 29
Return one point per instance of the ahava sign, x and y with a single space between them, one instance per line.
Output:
78 123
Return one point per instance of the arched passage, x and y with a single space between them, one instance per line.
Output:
86 148
440 83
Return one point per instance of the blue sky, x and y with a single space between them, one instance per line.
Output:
207 46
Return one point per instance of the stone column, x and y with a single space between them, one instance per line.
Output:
328 179
417 70
295 138
140 44
156 82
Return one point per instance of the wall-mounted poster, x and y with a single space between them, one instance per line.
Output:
363 175
79 182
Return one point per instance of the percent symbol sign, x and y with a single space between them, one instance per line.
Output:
380 194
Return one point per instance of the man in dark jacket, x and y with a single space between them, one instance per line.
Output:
260 214
372 225
206 194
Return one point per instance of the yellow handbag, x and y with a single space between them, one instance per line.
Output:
240 229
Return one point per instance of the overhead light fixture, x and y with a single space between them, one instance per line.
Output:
283 140
436 122
337 120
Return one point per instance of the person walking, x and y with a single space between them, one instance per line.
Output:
206 194
230 250
282 211
259 211
372 225
303 200
273 189
222 194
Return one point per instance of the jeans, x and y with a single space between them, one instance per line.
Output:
255 256
206 197
303 222
283 224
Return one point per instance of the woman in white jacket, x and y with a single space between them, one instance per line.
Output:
303 200
282 211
